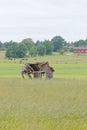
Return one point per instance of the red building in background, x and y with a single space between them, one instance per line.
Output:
80 50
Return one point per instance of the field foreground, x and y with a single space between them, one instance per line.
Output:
57 104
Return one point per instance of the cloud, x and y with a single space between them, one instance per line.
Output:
42 19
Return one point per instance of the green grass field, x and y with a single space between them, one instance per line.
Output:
69 71
56 104
43 104
66 66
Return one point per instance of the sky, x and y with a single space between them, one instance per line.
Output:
43 19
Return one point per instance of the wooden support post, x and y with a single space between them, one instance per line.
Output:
37 74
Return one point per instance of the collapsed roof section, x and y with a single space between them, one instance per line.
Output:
38 69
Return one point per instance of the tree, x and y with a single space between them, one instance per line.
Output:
41 50
7 44
1 44
22 50
28 42
16 50
58 43
33 51
80 43
49 47
12 50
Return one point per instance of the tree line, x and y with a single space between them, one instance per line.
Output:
28 47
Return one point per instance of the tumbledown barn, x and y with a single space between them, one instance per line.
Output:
38 70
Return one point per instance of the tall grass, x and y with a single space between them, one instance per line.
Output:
43 104
56 104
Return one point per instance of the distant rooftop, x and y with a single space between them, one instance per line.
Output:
81 47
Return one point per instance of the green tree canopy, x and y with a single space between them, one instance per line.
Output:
12 50
49 47
41 50
33 51
1 44
28 42
80 43
22 50
58 43
16 50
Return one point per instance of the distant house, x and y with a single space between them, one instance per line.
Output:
80 50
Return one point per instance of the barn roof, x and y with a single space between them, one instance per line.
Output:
81 47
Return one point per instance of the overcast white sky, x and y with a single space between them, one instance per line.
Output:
43 19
